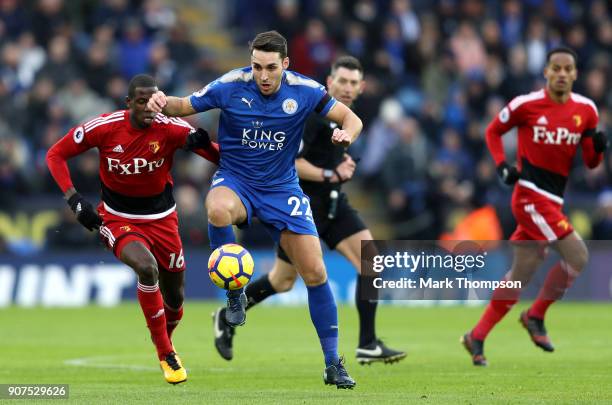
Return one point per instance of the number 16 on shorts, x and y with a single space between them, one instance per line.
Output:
176 262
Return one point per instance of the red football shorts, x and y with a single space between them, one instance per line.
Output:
538 217
160 236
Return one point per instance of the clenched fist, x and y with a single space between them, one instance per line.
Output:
341 137
157 102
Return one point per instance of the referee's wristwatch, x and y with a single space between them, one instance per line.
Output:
327 175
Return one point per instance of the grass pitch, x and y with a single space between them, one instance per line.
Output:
106 356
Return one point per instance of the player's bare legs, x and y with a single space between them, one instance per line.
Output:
370 348
351 247
574 255
136 255
283 275
224 209
527 257
305 253
141 260
573 250
172 286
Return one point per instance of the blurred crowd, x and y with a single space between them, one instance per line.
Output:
437 71
63 62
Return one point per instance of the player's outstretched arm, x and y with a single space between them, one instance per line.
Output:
169 105
347 120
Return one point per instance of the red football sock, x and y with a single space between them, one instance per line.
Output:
152 305
502 300
173 317
558 280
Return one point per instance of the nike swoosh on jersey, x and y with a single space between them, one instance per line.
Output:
217 181
374 352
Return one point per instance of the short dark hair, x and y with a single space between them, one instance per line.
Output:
269 41
562 49
141 80
348 62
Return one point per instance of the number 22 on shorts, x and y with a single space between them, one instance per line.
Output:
294 201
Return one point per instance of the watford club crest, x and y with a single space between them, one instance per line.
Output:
154 146
126 228
577 120
563 224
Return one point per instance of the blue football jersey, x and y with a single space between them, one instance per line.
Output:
259 136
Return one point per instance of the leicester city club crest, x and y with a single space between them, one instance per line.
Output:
290 106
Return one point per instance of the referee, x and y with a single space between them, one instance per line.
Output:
322 168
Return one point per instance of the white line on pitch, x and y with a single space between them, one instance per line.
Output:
106 362
93 362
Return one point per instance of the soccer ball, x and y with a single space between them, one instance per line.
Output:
230 266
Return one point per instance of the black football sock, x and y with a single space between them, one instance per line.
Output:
367 312
258 290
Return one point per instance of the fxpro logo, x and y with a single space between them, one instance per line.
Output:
260 138
136 166
558 137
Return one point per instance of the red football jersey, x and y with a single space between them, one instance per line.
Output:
135 163
549 134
